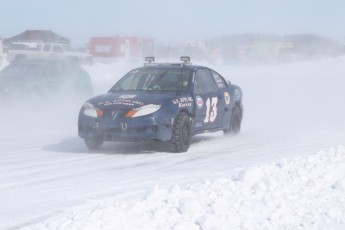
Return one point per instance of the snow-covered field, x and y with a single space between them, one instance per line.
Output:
286 170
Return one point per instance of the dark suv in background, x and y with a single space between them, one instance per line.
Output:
45 77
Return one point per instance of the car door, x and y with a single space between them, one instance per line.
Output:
224 91
208 101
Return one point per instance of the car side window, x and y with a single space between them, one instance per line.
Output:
220 81
204 82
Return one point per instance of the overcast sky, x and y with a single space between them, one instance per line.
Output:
172 20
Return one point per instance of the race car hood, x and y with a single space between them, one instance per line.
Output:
130 100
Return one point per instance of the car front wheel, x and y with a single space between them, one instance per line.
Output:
181 133
94 143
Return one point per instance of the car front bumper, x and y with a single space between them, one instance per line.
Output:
125 129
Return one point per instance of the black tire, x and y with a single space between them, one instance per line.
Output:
94 143
181 133
235 122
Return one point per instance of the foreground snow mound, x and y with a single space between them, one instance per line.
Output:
303 193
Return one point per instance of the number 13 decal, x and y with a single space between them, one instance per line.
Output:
211 109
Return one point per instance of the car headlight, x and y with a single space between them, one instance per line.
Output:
91 111
144 110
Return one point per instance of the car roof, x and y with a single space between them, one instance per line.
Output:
184 64
171 66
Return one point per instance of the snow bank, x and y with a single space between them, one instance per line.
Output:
303 193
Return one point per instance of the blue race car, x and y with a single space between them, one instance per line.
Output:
162 102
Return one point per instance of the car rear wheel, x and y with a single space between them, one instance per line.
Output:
235 122
94 143
181 133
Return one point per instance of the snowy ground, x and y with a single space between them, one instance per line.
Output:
286 170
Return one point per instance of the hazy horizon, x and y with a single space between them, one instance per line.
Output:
170 21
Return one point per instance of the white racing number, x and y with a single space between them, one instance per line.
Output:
211 109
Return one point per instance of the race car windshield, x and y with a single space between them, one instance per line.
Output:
154 79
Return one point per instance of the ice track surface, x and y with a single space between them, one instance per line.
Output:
285 169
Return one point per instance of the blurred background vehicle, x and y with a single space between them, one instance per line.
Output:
49 50
43 44
45 77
